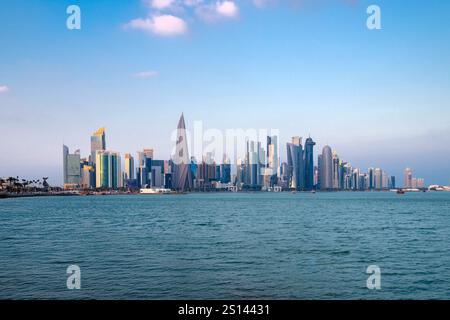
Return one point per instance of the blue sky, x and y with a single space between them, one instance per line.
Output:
378 97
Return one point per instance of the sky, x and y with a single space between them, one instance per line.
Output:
379 98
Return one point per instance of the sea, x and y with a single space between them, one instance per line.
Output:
258 245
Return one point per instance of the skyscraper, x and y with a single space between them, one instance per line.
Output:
335 171
253 156
272 159
129 167
309 164
71 168
319 172
148 153
108 170
157 173
326 179
87 176
407 178
378 179
182 177
98 143
295 163
371 179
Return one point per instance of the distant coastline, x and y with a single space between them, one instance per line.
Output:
8 195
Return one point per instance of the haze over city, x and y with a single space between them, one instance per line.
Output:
377 97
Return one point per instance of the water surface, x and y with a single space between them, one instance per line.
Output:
227 246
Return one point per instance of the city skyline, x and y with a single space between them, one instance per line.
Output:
298 155
378 97
259 167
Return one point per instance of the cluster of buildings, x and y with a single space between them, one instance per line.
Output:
410 182
260 169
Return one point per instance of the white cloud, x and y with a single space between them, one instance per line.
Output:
216 11
227 9
4 89
161 25
145 74
161 4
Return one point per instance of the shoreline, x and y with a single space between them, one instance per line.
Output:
108 193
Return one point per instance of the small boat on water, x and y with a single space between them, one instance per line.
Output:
156 191
400 191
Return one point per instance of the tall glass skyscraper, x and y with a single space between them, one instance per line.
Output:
309 164
108 170
407 178
253 156
129 167
335 171
98 143
326 179
71 168
272 159
295 164
182 176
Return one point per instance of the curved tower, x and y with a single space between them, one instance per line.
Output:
326 181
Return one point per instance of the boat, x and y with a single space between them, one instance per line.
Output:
400 191
156 191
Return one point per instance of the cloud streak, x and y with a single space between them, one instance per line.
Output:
145 74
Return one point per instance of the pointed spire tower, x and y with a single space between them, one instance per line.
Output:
182 177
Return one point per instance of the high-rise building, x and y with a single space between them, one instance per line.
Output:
129 167
168 165
182 177
71 168
87 176
295 163
378 179
326 180
392 182
316 177
407 178
335 170
157 173
420 184
108 170
240 172
225 171
309 164
148 153
284 174
319 172
370 173
272 164
98 143
347 175
253 166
